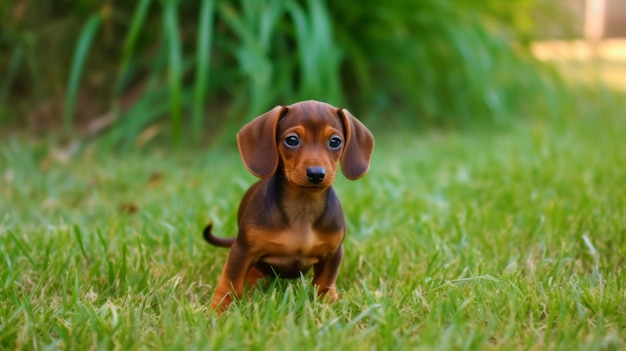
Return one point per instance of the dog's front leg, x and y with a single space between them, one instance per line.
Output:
233 278
325 274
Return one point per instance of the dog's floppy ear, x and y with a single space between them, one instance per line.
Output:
357 153
257 143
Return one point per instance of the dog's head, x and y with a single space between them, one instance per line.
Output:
306 141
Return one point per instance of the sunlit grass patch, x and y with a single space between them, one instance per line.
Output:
602 63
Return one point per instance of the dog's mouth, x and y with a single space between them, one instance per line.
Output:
313 187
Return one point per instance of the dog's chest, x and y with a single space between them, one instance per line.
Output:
299 241
296 249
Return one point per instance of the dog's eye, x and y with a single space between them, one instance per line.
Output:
292 141
334 143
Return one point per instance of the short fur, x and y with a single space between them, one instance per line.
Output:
291 220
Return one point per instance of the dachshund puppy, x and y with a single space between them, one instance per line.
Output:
291 220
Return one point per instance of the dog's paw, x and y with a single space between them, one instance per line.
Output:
329 294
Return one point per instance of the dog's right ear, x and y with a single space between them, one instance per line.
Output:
357 154
257 143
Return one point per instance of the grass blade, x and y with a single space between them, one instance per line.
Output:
139 18
79 238
174 72
81 52
329 55
22 247
14 65
205 36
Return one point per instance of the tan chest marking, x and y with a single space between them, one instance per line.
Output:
295 241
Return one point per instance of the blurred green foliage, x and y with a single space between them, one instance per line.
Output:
211 63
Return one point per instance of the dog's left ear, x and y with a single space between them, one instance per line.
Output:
359 145
257 143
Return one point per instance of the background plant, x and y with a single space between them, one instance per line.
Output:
203 65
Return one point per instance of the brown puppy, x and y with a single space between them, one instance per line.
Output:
291 219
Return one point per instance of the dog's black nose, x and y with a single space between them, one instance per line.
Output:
315 175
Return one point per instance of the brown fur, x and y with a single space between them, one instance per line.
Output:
291 220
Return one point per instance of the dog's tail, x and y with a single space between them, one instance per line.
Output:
211 239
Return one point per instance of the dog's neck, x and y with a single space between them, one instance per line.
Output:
302 205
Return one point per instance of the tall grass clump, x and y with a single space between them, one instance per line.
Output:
443 62
215 63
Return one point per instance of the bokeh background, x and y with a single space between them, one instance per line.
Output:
187 71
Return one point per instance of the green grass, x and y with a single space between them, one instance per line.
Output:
479 240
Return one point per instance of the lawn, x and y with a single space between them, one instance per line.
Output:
509 239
